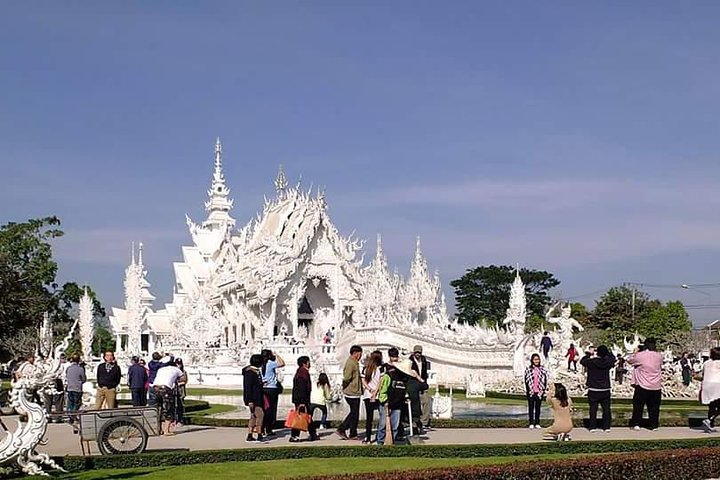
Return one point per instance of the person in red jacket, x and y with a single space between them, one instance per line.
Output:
572 356
302 386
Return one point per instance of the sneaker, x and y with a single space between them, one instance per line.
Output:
294 439
606 430
655 429
593 430
314 438
707 424
531 427
342 434
538 427
636 427
321 427
567 437
250 438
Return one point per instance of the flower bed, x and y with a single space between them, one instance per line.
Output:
696 463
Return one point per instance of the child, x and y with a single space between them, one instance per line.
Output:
561 406
319 397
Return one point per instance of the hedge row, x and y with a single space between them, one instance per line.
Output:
694 421
190 405
697 463
75 464
686 402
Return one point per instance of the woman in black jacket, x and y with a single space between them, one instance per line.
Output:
253 397
598 382
302 385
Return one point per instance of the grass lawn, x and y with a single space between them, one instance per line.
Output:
295 467
214 409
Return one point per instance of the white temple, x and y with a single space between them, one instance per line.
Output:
285 280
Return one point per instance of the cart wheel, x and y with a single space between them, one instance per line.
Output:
122 436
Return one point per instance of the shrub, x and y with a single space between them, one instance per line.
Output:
696 463
464 423
687 402
75 464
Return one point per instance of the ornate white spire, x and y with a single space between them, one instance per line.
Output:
138 301
419 290
281 182
46 337
379 289
516 314
219 202
87 325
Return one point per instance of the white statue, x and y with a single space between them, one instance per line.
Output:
19 445
565 323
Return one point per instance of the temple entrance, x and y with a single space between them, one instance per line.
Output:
316 309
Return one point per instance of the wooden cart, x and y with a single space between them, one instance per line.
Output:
120 431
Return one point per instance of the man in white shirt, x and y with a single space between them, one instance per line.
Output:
164 388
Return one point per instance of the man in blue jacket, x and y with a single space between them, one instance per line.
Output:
137 378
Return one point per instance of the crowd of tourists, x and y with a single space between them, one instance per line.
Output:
161 382
393 391
646 378
396 390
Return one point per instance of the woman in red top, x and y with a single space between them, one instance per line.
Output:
572 355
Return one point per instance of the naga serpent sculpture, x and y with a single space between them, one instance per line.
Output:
19 445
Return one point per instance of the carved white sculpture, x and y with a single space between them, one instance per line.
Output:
565 325
442 405
20 444
45 344
87 325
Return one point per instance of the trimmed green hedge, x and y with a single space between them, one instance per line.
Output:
697 463
459 422
190 405
75 464
688 402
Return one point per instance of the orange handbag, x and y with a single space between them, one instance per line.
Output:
298 419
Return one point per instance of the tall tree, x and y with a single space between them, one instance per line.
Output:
28 287
615 315
483 293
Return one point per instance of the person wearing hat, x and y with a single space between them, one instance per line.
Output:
422 366
137 376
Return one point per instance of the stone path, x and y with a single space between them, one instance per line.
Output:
61 440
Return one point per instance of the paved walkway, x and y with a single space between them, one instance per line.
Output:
61 440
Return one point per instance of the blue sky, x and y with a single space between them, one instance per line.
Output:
574 137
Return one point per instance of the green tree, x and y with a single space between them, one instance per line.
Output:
614 315
663 320
483 293
581 313
28 287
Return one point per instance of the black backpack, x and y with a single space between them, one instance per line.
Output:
397 391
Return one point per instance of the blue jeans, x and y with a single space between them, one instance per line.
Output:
74 402
394 422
